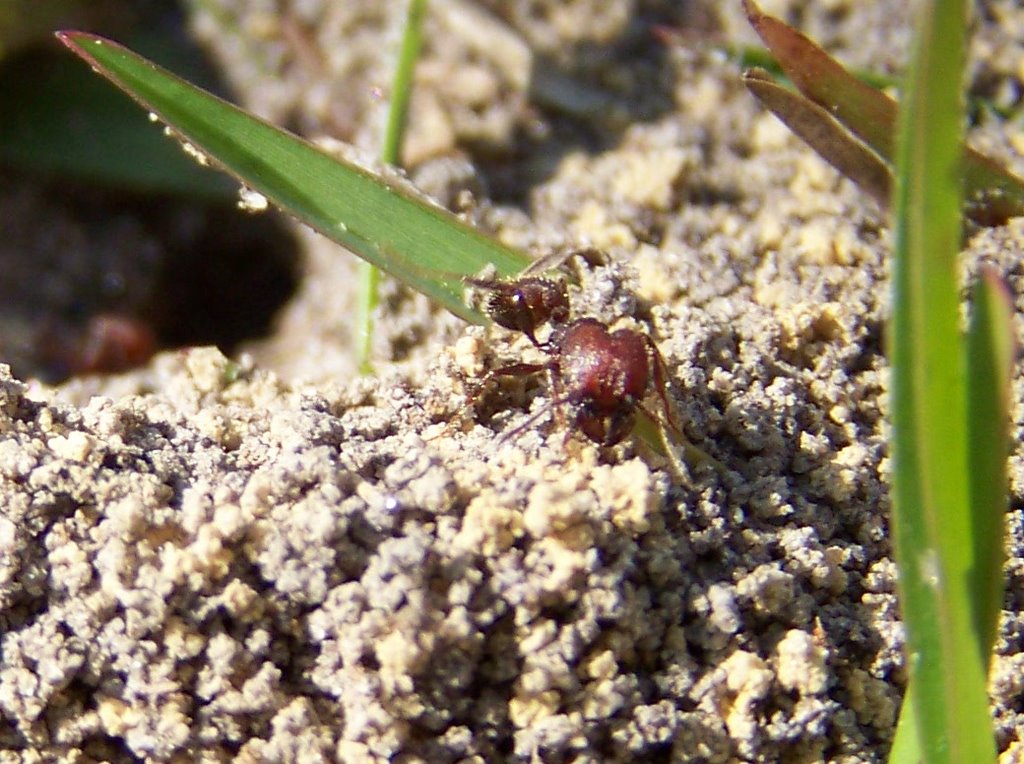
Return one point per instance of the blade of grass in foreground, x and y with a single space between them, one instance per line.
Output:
932 530
417 242
391 153
990 353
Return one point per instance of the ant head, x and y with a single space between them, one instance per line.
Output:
526 304
546 300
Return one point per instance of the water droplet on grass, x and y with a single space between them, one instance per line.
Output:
251 201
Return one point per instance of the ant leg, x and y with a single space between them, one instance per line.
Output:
661 383
512 370
592 256
558 400
556 403
548 262
523 426
692 454
520 369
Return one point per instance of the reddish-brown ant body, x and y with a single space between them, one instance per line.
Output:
108 343
602 375
528 302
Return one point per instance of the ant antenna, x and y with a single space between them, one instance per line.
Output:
522 427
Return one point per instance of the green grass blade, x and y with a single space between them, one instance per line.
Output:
391 153
367 300
401 90
990 352
931 523
417 242
817 128
906 744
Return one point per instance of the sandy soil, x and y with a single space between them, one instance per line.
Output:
270 559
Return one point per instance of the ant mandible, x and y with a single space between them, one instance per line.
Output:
602 375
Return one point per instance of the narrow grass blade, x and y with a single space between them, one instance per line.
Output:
816 127
990 354
931 523
869 113
401 89
991 193
377 219
391 153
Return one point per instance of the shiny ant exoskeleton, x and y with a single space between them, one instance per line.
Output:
525 304
602 375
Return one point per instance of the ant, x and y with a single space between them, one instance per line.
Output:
108 343
524 304
527 302
602 375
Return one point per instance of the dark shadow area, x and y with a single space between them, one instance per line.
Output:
115 244
97 281
224 283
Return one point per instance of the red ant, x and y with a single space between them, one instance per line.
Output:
108 343
603 375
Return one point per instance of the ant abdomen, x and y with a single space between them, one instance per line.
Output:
605 375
